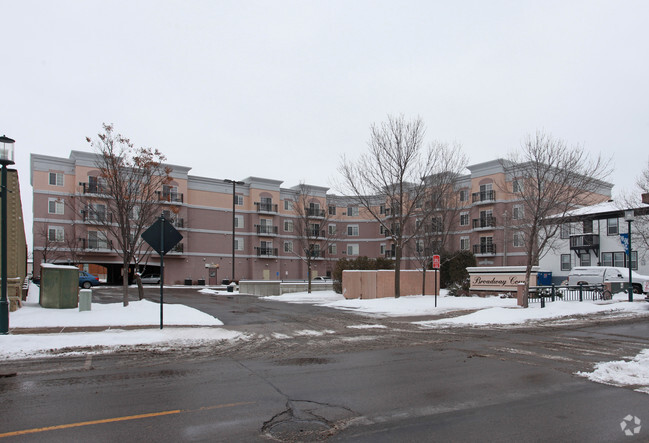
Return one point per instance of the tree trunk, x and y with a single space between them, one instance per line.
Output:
397 275
308 275
140 288
423 282
125 284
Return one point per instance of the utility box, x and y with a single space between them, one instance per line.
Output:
59 286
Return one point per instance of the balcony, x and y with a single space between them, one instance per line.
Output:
315 254
268 208
171 197
266 230
584 243
178 249
316 213
484 223
390 253
484 196
92 188
266 252
315 233
488 249
97 217
94 243
178 223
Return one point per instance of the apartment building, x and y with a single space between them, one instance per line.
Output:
267 241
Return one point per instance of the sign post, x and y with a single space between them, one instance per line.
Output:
436 268
162 237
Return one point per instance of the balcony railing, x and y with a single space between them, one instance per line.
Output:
179 223
266 252
481 223
178 249
315 254
390 253
92 188
484 196
94 243
172 197
266 229
315 233
97 217
312 212
488 249
584 241
266 207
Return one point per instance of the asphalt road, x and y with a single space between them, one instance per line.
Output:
303 374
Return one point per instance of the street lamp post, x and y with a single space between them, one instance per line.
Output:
629 217
234 196
6 158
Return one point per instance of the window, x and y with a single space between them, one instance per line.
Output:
464 195
436 225
352 211
238 200
55 206
566 230
288 205
238 221
97 240
352 230
332 210
382 209
238 243
333 250
56 179
464 219
420 246
517 186
565 262
584 259
519 239
619 259
464 243
288 225
55 233
96 212
331 229
381 230
588 227
288 246
612 226
352 249
517 212
382 249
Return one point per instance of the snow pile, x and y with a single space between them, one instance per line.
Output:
623 373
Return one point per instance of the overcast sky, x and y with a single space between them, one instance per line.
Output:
281 89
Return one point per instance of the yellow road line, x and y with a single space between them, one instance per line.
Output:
117 419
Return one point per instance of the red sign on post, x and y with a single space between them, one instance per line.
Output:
435 261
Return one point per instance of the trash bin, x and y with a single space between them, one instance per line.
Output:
225 281
201 282
188 282
230 288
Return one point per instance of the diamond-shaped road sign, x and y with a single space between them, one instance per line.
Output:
162 230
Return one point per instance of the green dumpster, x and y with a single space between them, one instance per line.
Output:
59 286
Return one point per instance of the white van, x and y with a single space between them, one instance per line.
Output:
597 275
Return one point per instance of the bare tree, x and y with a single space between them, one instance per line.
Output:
637 199
397 169
127 194
550 178
312 227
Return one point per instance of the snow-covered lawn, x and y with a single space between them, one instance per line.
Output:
138 313
481 311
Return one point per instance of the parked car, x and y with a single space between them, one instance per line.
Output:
597 275
87 280
153 279
321 278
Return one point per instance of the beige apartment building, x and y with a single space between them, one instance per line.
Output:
267 243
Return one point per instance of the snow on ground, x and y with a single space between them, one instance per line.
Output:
481 310
138 313
623 373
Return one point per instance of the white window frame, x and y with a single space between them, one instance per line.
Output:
58 206
331 229
288 205
353 249
352 230
238 243
288 225
518 212
55 234
238 221
288 246
352 211
465 243
382 249
464 219
518 239
238 200
517 186
566 265
333 249
58 179
464 195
